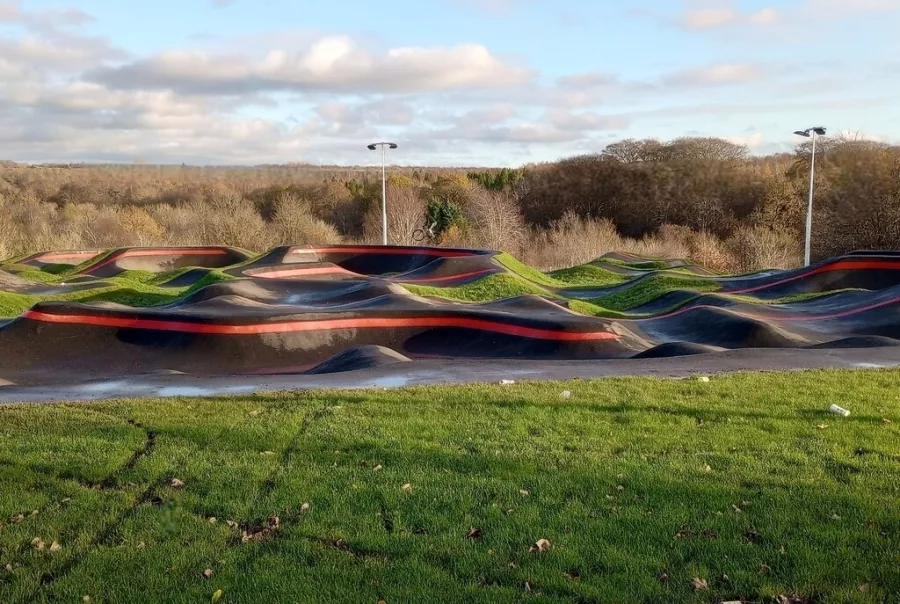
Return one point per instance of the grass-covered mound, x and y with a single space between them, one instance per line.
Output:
133 288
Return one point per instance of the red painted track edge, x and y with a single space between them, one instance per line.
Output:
837 266
410 251
131 253
319 325
773 318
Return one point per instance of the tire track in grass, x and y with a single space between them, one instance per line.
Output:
111 480
268 484
107 483
335 543
104 536
270 525
386 520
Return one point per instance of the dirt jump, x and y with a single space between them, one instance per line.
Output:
314 311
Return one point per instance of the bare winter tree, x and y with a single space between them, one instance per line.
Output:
703 148
405 214
631 151
497 219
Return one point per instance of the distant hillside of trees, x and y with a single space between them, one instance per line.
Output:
706 198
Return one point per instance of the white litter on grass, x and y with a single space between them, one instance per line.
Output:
507 382
839 411
702 378
565 394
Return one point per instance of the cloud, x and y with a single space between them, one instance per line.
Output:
592 88
10 11
553 126
306 95
528 132
710 17
725 14
384 112
57 17
723 73
753 140
389 111
49 42
585 121
700 15
494 7
493 114
592 79
335 64
837 8
719 14
67 96
764 16
40 53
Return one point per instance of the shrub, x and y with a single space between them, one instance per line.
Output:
708 250
293 223
141 227
231 220
569 241
758 248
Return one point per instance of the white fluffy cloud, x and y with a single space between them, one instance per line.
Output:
334 64
68 96
752 139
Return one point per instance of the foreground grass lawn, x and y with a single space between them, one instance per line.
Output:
646 490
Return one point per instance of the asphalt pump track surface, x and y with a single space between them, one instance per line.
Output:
304 311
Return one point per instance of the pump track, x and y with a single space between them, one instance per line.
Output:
129 321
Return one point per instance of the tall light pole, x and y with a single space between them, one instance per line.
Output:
372 147
810 132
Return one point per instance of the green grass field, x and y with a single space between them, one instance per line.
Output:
743 488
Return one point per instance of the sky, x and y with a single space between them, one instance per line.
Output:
452 82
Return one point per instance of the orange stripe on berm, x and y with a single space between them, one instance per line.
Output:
322 325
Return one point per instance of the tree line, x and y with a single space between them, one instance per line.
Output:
704 197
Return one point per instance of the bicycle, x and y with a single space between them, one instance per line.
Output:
419 235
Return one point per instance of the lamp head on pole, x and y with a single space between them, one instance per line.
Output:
806 133
374 146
